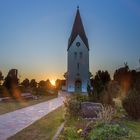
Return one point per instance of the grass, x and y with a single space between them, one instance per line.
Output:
43 129
77 122
134 126
9 106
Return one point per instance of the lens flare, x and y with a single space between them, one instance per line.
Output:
53 82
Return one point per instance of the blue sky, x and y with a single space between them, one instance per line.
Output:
34 35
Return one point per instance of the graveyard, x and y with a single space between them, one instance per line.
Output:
70 70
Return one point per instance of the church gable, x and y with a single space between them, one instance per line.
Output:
78 45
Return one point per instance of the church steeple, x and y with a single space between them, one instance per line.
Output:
77 77
78 29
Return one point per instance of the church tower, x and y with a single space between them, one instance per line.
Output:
77 77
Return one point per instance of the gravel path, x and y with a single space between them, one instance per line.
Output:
13 122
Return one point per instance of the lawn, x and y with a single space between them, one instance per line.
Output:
9 106
43 129
135 127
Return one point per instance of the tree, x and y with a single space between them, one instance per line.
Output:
100 81
131 103
122 74
42 84
11 81
58 84
25 83
1 77
111 91
33 83
127 78
42 87
48 83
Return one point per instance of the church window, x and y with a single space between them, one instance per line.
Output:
75 55
78 74
78 66
81 55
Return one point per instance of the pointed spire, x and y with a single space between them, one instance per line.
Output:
78 7
78 29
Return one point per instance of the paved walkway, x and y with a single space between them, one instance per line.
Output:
13 122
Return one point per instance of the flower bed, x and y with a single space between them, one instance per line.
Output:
110 124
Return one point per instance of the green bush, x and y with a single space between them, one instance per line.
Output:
111 91
73 104
131 104
72 107
81 97
108 132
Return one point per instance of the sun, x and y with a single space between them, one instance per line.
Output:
53 82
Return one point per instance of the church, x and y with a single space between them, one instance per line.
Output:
77 76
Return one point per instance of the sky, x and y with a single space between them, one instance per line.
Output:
34 35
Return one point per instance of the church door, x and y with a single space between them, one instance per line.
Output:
78 86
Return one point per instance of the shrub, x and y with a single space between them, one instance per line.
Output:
73 104
111 91
70 133
131 104
81 97
106 114
72 107
108 132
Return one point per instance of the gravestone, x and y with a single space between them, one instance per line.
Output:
89 110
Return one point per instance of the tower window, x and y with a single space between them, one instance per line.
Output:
78 66
81 54
75 55
78 74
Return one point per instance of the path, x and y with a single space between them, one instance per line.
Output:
13 122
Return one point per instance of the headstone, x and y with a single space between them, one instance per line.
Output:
89 110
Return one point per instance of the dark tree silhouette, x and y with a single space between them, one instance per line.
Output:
42 87
42 84
58 84
137 81
124 77
100 81
33 83
25 83
1 77
11 81
48 83
122 73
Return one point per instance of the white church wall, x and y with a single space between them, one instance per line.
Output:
83 65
